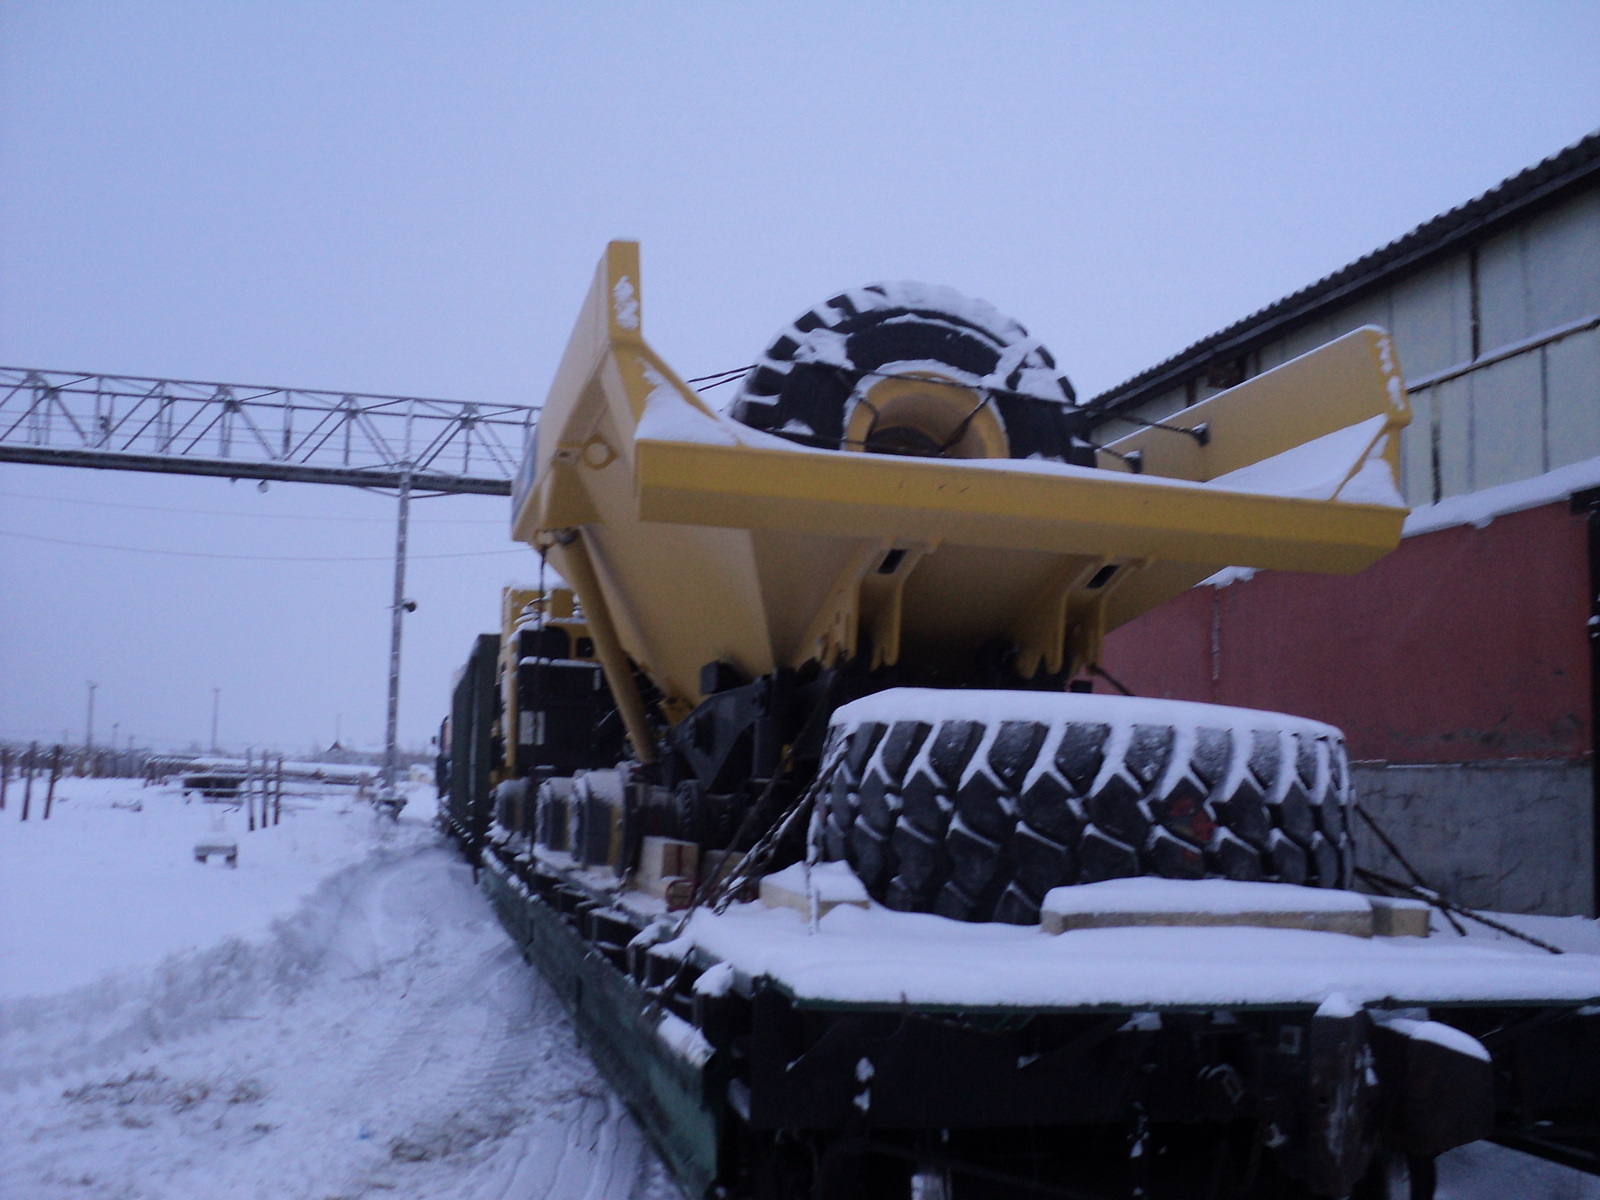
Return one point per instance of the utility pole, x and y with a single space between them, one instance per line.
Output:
216 703
389 796
88 726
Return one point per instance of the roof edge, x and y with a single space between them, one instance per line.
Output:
1542 184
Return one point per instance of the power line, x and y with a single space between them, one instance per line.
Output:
34 537
216 512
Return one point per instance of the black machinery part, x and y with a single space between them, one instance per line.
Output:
888 330
978 820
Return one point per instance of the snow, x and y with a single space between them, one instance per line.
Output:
141 894
950 704
1580 935
825 346
625 303
1228 576
1479 508
1149 894
684 1040
878 956
833 882
1338 1006
340 1016
362 1026
1058 709
716 980
1373 481
669 417
1440 1034
1347 464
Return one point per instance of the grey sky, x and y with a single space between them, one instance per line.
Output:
411 199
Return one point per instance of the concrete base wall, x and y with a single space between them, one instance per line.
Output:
1509 836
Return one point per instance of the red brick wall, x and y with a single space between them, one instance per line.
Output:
1464 644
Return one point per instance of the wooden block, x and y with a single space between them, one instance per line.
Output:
1118 903
663 859
834 884
1393 917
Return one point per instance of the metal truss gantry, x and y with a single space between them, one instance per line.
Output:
238 431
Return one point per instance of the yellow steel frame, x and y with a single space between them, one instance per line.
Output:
691 539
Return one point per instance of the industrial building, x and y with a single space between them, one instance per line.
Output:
1462 668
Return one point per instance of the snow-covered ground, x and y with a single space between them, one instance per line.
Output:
339 1016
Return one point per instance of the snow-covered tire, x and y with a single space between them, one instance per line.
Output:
974 804
810 378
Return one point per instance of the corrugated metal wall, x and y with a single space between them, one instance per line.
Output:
1459 665
1524 408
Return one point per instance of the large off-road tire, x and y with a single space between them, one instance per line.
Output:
974 804
813 376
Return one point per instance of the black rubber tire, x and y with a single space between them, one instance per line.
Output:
979 818
796 392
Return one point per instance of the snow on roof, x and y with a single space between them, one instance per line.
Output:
1479 508
1561 173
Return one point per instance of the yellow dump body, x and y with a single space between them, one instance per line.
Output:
690 538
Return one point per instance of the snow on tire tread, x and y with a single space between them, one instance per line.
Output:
973 804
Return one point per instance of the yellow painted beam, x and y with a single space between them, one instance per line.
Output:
1328 389
1098 513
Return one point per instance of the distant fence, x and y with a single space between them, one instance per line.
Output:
99 763
29 772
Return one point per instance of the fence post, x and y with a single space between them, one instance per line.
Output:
249 795
55 774
5 774
27 780
277 794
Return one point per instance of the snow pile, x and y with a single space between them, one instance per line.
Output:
122 857
365 1029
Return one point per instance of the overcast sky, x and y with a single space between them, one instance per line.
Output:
411 199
